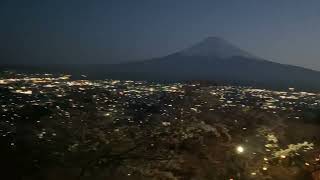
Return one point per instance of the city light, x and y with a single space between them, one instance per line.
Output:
240 149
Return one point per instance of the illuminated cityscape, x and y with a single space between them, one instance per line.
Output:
144 130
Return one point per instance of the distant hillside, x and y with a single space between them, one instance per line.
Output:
218 60
212 59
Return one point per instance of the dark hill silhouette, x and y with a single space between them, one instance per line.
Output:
218 60
214 47
212 59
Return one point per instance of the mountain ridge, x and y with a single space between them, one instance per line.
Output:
215 47
204 61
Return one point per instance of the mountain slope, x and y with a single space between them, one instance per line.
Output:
218 60
215 47
212 59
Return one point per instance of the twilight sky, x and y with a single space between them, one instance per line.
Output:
111 31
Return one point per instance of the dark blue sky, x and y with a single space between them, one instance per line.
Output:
106 31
